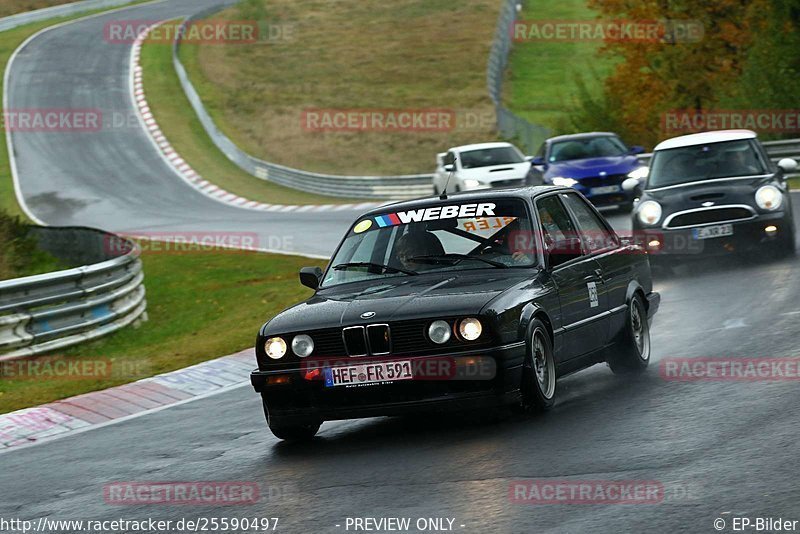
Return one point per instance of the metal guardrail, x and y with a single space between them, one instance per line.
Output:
51 311
368 187
64 10
509 124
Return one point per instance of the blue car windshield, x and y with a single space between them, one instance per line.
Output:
585 148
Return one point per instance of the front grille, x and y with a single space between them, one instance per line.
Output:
710 216
355 341
379 339
602 181
328 343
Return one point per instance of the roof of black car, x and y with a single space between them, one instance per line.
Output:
470 196
581 136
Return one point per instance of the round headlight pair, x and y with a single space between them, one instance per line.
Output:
649 212
769 197
302 346
469 329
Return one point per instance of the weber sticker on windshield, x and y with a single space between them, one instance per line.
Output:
436 213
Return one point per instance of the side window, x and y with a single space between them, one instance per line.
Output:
594 235
556 226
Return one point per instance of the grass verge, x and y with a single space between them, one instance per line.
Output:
11 7
180 125
200 305
542 79
354 56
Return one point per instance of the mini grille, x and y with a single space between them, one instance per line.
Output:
709 216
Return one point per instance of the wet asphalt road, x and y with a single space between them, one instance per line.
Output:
720 449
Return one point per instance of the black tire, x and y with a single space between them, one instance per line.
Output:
632 353
539 381
291 432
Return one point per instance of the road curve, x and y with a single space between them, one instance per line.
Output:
114 178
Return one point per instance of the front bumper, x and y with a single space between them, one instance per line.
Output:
303 395
747 236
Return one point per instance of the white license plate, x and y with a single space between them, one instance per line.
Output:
604 190
708 232
368 373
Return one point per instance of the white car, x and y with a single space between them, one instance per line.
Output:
480 166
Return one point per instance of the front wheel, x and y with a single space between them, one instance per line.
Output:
632 353
538 389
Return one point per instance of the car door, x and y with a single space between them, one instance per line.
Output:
578 279
603 244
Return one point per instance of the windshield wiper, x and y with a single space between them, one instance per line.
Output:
379 268
455 258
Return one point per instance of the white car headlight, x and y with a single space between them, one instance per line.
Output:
439 332
640 174
769 197
275 347
567 182
470 329
471 184
302 345
649 212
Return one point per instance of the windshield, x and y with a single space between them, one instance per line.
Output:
486 157
705 162
450 236
590 147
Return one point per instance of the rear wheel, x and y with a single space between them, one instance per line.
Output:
538 389
632 353
291 432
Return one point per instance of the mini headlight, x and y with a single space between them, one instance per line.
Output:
275 347
649 212
769 197
470 329
439 332
302 345
567 182
640 173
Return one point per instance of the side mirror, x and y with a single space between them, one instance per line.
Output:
788 165
630 184
564 251
637 149
538 160
528 158
310 277
448 167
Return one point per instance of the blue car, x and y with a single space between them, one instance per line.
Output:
594 163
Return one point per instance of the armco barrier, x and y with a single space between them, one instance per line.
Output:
372 187
51 311
64 10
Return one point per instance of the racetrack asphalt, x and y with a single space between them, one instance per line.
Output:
719 448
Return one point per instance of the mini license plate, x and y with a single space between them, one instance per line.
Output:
368 373
709 232
604 190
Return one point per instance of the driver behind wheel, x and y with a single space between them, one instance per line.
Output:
416 244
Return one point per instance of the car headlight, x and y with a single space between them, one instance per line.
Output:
640 174
275 347
302 345
769 197
470 329
439 332
471 184
567 182
649 212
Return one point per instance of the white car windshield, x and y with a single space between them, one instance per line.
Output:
487 157
705 162
448 236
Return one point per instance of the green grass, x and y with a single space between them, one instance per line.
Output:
11 7
352 55
200 306
180 125
541 80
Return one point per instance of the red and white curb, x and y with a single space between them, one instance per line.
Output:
99 408
183 169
